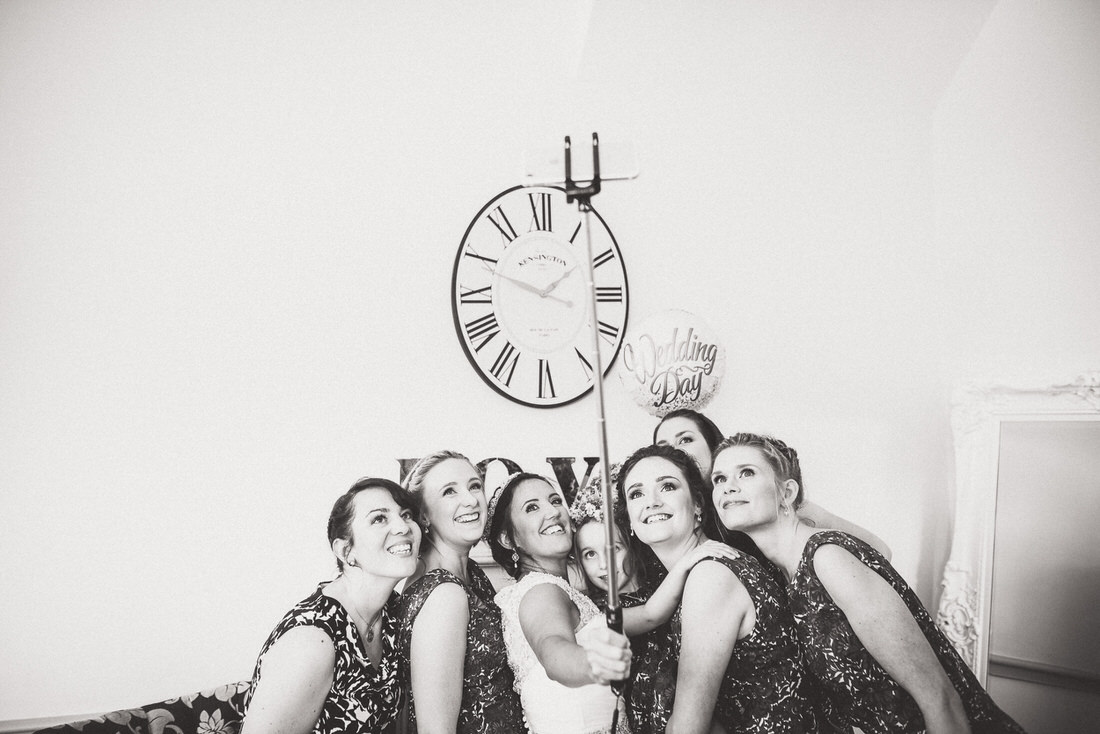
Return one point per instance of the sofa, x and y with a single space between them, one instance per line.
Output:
214 711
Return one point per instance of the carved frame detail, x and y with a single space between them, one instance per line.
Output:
978 410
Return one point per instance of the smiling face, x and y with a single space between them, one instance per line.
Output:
540 523
659 502
385 539
592 552
454 503
747 493
682 433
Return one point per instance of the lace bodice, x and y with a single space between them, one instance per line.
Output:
548 706
520 655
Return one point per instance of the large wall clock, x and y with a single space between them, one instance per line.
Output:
520 302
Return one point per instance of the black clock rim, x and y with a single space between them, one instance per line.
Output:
458 321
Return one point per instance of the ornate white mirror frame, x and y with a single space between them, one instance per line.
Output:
976 417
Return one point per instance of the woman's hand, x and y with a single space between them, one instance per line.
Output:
661 605
608 655
706 549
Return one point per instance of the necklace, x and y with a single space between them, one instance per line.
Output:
370 626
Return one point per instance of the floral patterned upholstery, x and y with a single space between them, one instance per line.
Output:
216 711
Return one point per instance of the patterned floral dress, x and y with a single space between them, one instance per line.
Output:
489 702
852 688
764 688
363 697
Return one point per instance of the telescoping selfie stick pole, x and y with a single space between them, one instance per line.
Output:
583 196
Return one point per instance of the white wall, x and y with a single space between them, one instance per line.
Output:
226 234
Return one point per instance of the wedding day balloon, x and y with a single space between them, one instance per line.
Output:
672 360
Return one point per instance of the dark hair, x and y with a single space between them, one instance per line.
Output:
700 494
343 510
706 427
499 528
782 458
688 468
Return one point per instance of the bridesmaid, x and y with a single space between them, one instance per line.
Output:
876 657
732 658
331 664
456 671
698 436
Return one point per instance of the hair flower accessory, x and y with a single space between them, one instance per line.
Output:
588 504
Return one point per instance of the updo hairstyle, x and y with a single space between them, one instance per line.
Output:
782 458
706 427
341 517
499 528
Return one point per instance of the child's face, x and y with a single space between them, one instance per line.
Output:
592 551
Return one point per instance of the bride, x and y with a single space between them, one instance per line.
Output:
563 655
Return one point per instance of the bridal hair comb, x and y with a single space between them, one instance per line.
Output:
491 511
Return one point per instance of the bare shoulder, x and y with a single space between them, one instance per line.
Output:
543 596
446 602
304 647
843 575
449 594
712 581
545 611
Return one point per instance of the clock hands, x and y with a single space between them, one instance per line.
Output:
560 278
540 292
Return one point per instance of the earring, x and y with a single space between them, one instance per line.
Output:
786 510
515 558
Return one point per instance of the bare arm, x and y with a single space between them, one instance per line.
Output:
295 678
887 629
660 606
715 608
547 617
819 517
437 656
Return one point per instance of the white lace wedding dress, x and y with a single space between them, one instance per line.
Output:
550 707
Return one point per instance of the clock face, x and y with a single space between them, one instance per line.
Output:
520 300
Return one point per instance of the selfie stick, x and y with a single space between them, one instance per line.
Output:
583 196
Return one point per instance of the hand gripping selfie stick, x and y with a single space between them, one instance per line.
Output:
583 196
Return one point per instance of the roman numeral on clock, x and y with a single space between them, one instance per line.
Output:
602 258
585 364
477 295
608 331
540 212
471 253
610 294
484 328
500 221
505 362
546 383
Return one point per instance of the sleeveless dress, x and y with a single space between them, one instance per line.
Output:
363 697
489 702
764 688
548 706
853 689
